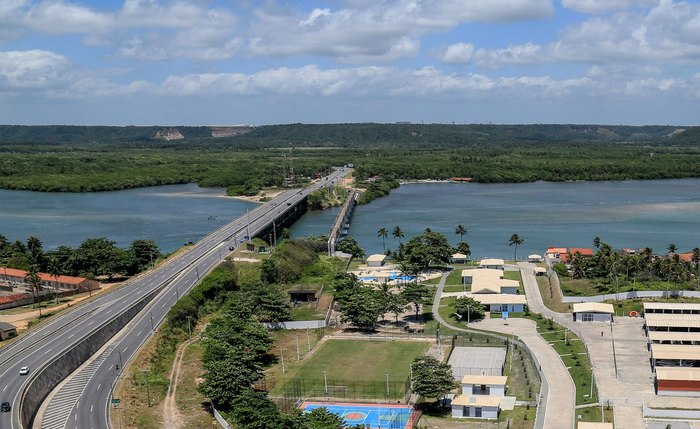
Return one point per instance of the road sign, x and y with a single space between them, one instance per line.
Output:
116 401
505 315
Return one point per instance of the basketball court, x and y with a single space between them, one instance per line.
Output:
372 416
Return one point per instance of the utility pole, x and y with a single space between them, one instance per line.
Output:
282 357
387 385
153 328
298 356
308 340
148 389
189 326
325 382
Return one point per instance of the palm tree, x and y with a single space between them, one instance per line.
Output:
54 269
515 240
32 278
578 266
461 230
596 242
672 248
397 233
384 234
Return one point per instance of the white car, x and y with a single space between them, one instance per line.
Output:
24 370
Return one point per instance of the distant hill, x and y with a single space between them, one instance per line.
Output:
348 135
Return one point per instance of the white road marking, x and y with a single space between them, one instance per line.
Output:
139 334
71 336
5 388
47 351
91 407
124 351
100 385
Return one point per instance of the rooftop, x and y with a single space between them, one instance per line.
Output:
499 298
485 379
675 352
377 257
678 373
491 262
672 320
477 400
671 306
593 307
594 425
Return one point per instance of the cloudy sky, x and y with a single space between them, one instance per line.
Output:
197 62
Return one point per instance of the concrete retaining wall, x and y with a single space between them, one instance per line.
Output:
674 414
51 375
222 421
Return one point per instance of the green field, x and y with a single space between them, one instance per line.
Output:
355 369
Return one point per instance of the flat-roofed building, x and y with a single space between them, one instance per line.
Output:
554 252
476 406
49 281
7 330
671 308
493 385
540 271
665 337
672 322
678 381
667 355
491 263
534 258
501 302
376 260
459 258
593 312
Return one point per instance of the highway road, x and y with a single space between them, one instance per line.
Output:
176 277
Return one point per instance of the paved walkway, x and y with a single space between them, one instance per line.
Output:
560 399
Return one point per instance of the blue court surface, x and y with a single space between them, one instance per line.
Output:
372 416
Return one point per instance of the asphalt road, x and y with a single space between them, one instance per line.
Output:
176 277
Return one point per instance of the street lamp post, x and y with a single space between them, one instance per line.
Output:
387 385
325 383
148 389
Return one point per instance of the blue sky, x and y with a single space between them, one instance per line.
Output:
224 62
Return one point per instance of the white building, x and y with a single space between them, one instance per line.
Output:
459 258
475 406
501 302
494 264
376 260
534 258
593 312
492 385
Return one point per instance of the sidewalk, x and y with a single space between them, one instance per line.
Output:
561 397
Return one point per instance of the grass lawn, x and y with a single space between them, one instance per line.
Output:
574 355
517 418
593 414
515 275
455 277
456 288
355 369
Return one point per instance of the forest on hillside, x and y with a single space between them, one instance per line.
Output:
98 158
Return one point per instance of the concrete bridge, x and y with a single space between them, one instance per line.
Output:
342 221
122 320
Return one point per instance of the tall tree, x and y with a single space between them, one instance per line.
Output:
383 233
36 251
461 230
54 269
596 242
397 233
415 293
515 240
463 248
428 248
469 309
431 378
144 252
579 266
672 248
33 280
362 308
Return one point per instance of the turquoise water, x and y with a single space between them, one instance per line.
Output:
625 214
171 215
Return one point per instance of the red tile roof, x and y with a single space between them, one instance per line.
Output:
584 251
43 276
12 298
556 250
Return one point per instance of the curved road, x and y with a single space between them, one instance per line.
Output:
37 348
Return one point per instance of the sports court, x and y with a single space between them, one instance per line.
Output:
372 416
477 361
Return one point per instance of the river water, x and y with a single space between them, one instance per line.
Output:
650 213
625 214
171 215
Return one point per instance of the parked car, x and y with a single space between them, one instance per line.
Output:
24 370
5 407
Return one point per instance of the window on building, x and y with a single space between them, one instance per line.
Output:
586 317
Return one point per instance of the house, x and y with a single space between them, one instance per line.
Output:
540 271
555 252
534 258
489 281
498 303
7 330
475 406
492 385
494 264
584 251
49 281
593 312
302 295
376 260
459 258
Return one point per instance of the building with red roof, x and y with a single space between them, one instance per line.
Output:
80 284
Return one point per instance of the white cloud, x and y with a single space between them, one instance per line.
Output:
600 6
459 53
381 31
31 69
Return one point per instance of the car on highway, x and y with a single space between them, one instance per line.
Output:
5 407
24 370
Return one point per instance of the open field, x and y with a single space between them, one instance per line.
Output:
550 298
355 369
589 287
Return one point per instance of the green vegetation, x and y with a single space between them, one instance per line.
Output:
431 378
322 199
94 257
80 159
596 414
573 353
469 309
377 189
612 271
352 362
